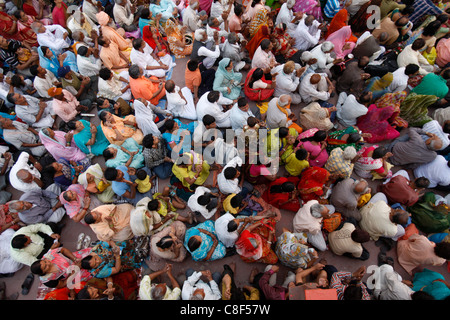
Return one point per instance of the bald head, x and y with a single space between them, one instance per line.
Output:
361 186
315 78
24 176
284 100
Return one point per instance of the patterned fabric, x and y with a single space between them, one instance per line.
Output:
292 250
336 164
394 100
310 7
260 18
201 252
332 7
311 183
422 8
128 258
338 283
155 157
414 109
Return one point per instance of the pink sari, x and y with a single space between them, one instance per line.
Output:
58 149
311 7
339 38
74 206
376 123
63 265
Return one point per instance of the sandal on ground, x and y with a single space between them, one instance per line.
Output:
80 240
86 242
26 285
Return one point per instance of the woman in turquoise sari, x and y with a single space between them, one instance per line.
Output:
227 81
128 154
202 243
174 132
48 60
432 283
88 138
107 259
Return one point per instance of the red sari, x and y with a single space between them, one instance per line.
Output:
339 21
262 33
6 26
263 253
312 181
376 123
257 94
147 35
28 35
275 199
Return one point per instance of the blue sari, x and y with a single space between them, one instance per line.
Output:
53 65
170 137
128 258
81 138
425 281
122 157
201 252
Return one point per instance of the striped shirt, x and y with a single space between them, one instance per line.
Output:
337 282
331 8
422 8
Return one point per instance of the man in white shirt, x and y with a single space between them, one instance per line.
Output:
411 54
205 51
213 103
180 102
316 86
229 180
89 63
161 291
43 80
142 55
288 80
228 228
114 86
124 15
307 33
23 176
435 128
53 36
239 114
401 77
191 19
21 136
349 109
36 113
195 288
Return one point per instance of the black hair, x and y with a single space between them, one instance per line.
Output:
10 98
238 9
213 96
411 69
102 115
230 172
284 187
170 86
18 242
256 75
422 182
192 65
153 205
418 44
82 51
83 294
36 268
71 124
165 242
34 69
301 154
283 132
442 250
319 136
107 154
168 125
400 23
407 10
421 295
208 119
104 73
232 226
364 97
16 81
145 13
137 43
141 174
354 137
265 43
193 244
236 201
446 127
147 142
110 174
204 199
353 292
379 152
432 28
252 121
85 262
89 218
242 101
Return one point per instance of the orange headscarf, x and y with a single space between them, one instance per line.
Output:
339 21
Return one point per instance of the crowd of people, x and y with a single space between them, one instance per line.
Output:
301 108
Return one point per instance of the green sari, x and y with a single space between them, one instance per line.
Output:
414 109
81 138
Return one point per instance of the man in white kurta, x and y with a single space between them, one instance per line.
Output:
287 81
89 65
230 186
305 221
376 219
28 110
145 59
349 109
53 36
411 56
22 163
314 91
180 102
307 33
204 106
437 171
